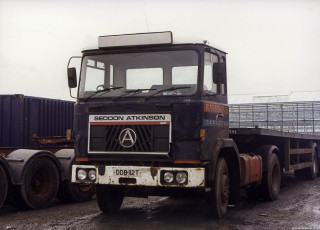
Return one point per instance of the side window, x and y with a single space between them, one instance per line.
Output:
208 84
96 72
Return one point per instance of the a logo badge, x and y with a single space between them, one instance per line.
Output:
127 138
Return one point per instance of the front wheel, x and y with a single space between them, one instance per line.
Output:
218 197
109 198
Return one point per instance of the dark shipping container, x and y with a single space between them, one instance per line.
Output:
22 116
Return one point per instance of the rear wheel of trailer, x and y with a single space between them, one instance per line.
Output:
310 172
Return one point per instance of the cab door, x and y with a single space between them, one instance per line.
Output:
215 107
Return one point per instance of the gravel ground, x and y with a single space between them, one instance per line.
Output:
298 207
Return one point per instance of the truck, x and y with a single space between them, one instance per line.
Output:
34 170
152 118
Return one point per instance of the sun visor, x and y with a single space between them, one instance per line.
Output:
135 39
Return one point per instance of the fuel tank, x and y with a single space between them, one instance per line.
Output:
251 168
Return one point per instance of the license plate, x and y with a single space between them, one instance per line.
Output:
127 172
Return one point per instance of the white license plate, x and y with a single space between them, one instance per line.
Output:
127 172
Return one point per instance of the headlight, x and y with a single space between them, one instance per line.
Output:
82 174
168 177
92 174
181 177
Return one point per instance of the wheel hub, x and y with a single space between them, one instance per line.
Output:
276 178
41 183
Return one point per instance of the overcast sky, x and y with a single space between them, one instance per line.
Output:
273 46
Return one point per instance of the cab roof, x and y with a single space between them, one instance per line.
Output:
138 40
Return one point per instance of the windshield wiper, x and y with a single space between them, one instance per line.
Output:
103 91
134 92
168 90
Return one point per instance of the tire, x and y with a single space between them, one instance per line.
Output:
40 184
312 171
109 198
76 193
3 186
218 197
271 180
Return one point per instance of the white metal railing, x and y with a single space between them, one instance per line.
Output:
299 117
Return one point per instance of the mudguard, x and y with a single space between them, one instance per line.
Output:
218 150
19 159
66 158
265 152
227 148
68 191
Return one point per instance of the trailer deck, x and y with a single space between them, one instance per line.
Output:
296 149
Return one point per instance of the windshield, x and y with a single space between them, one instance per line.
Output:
162 73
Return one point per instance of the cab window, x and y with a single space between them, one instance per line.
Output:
208 84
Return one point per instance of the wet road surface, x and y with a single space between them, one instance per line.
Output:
298 207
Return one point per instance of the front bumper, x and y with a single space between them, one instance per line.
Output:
140 176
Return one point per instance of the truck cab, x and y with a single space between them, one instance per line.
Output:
152 118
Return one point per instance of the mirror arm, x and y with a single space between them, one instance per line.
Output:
71 59
71 94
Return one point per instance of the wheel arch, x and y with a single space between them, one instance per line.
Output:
265 152
66 158
227 149
18 161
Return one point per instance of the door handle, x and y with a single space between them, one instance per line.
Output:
219 115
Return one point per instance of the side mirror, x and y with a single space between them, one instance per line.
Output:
72 77
219 73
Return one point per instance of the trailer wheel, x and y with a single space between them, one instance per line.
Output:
312 172
3 186
40 183
74 192
109 198
271 180
219 195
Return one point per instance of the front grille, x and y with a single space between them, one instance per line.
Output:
149 138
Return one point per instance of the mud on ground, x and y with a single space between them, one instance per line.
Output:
298 207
